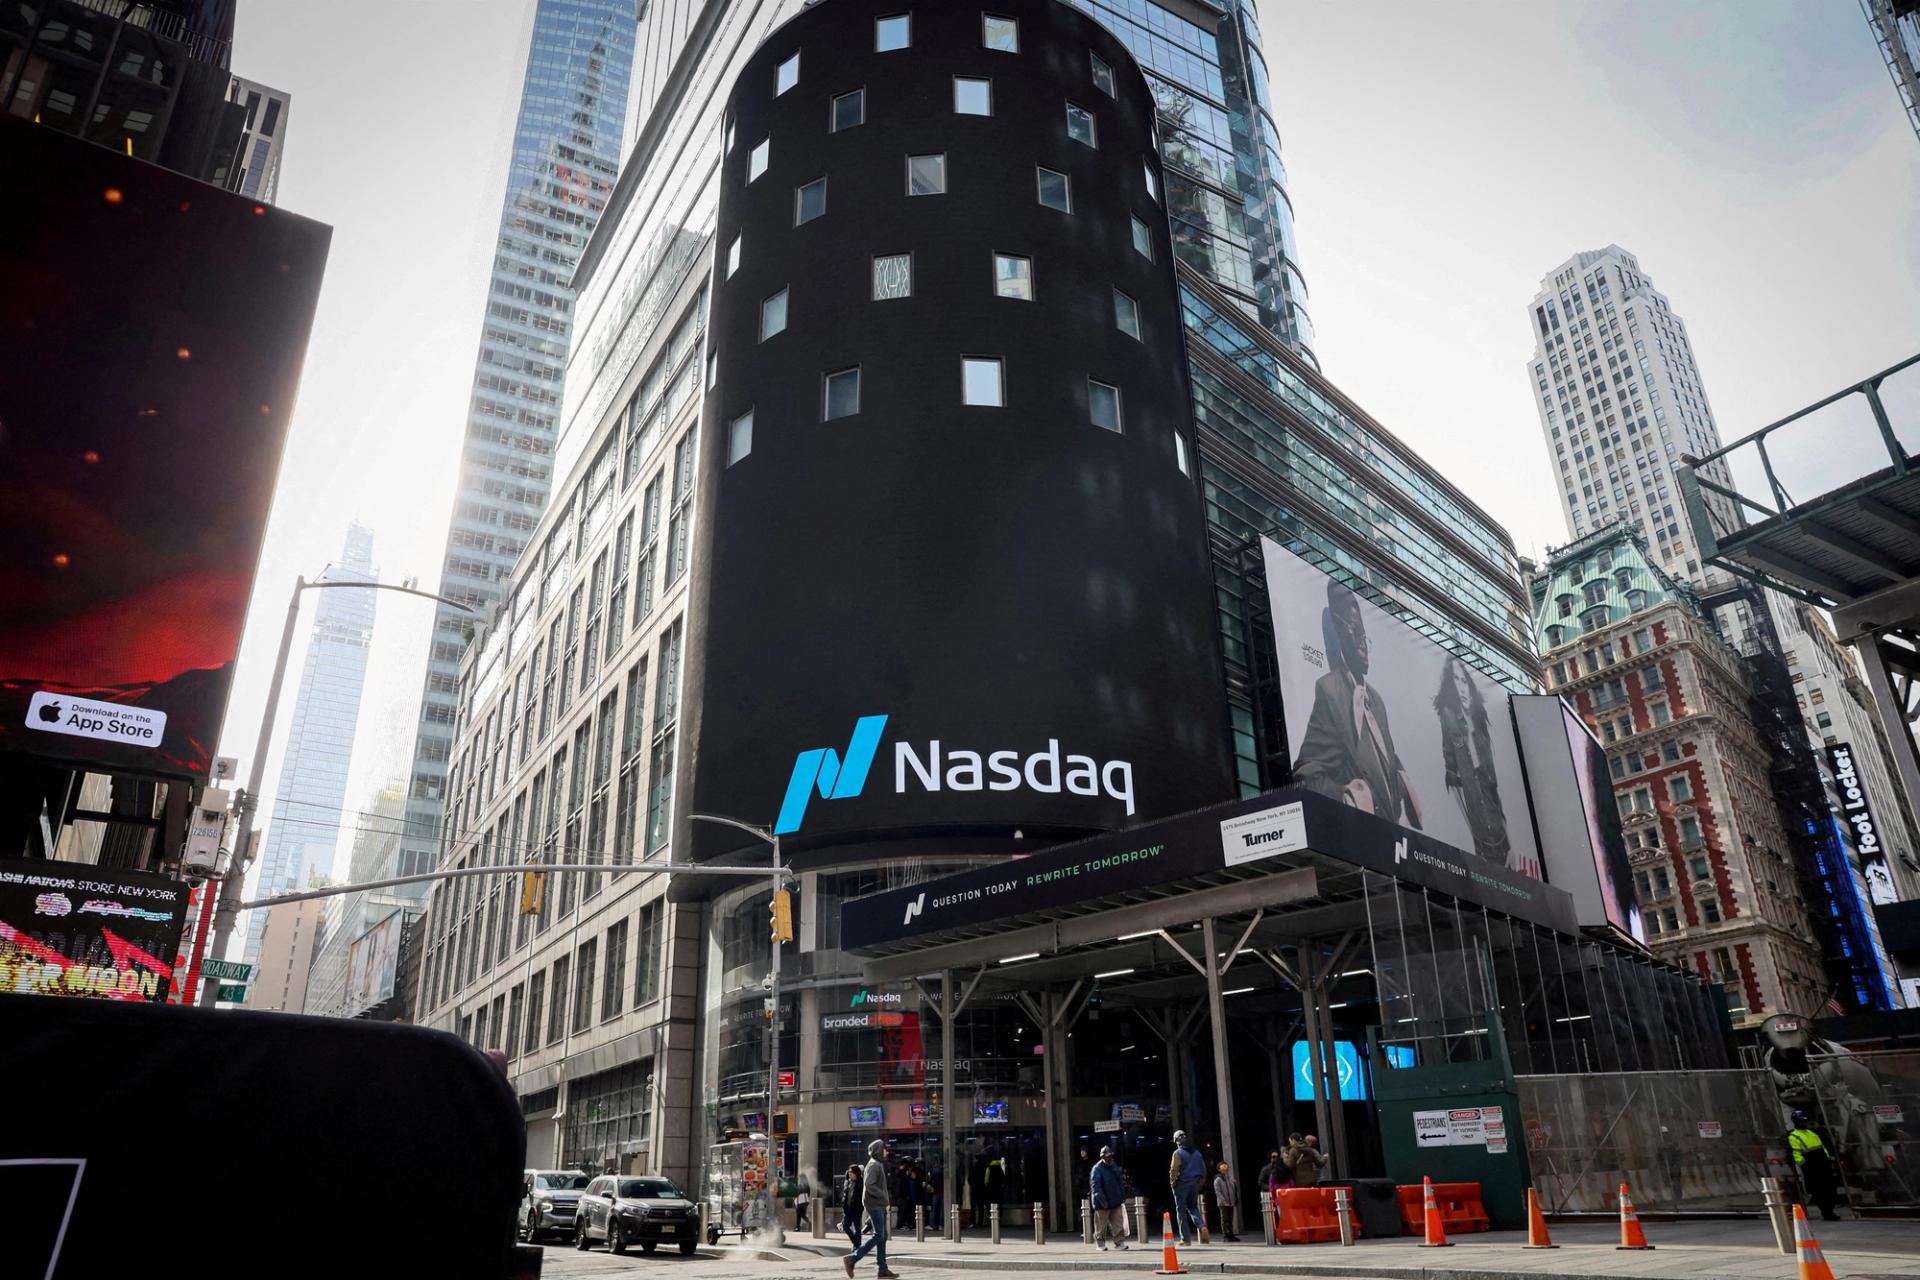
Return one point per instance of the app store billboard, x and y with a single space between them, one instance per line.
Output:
153 328
1383 719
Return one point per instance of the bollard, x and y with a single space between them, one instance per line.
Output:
819 1218
1266 1216
953 1223
1343 1210
1039 1223
919 1224
1086 1222
993 1219
1777 1214
1201 1235
1140 1218
703 1222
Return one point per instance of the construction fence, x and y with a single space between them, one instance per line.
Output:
1681 1141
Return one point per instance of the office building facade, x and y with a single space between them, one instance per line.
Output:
263 136
306 823
566 153
375 856
1620 400
1896 31
1632 648
729 316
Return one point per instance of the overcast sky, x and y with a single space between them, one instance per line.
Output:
1442 157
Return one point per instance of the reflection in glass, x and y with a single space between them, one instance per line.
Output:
893 276
1055 191
981 382
842 394
1013 276
926 175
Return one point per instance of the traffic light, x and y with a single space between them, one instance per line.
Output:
533 891
780 915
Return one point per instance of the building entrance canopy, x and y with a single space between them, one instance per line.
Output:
1287 846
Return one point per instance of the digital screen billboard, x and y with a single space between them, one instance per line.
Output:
71 929
373 960
1353 1076
1383 719
1857 812
1583 848
866 1117
154 330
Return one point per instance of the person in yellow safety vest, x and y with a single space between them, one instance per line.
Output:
1813 1161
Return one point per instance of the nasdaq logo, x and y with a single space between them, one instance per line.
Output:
835 776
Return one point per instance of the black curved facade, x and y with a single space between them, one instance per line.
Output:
988 579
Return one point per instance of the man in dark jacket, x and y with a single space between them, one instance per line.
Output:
1107 1197
1188 1173
873 1193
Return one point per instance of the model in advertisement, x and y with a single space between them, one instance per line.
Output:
1466 749
1348 750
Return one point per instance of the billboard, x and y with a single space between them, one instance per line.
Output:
1382 719
373 960
1582 846
1857 811
154 332
70 929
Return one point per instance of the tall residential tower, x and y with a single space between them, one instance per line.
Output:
313 776
566 153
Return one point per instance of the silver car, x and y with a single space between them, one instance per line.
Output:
645 1211
549 1201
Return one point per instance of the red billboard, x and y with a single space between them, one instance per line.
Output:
151 334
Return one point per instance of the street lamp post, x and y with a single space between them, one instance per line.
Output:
770 1216
236 874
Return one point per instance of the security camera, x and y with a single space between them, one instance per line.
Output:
766 983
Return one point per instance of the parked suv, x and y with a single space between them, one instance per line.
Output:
548 1200
630 1210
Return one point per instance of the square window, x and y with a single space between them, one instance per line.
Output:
809 201
1080 126
849 109
786 75
1013 276
926 175
1126 314
733 257
892 276
1180 453
894 32
1153 180
1000 33
1143 239
1102 74
842 399
972 97
1103 403
757 160
740 437
981 382
1055 191
773 315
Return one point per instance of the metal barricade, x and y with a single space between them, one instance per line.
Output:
1683 1141
1869 1112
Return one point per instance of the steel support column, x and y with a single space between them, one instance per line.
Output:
1222 1072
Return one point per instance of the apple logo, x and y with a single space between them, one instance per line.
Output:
50 712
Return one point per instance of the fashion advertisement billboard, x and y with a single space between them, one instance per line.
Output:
373 960
1384 720
70 929
155 328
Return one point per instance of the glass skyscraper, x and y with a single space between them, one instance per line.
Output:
566 154
313 777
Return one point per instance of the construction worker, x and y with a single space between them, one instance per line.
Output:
1813 1162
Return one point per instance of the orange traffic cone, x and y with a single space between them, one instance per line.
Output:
1813 1263
1631 1236
1436 1229
1169 1256
1537 1237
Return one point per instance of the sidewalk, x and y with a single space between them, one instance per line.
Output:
1690 1250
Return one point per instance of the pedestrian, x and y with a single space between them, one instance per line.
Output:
909 1196
852 1204
1226 1194
1186 1172
1264 1179
1107 1197
1813 1161
1305 1159
802 1206
873 1191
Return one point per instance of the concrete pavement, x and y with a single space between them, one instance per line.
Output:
1684 1250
